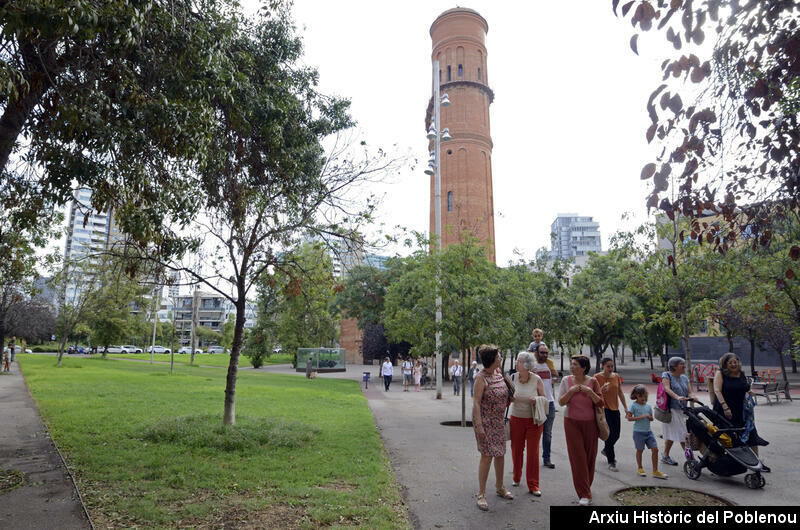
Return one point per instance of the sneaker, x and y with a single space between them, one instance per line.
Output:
765 468
641 472
549 464
659 474
515 484
603 452
612 467
668 460
585 502
536 493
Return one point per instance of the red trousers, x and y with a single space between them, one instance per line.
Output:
524 431
582 450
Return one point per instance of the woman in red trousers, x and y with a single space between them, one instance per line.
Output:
579 394
524 431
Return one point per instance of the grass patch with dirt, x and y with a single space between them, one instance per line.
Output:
658 496
148 449
202 359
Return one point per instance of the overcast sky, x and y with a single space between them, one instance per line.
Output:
568 120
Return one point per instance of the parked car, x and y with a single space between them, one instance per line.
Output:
129 348
115 349
158 349
75 349
277 350
188 349
216 349
28 350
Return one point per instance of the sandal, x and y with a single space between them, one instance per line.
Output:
482 504
505 494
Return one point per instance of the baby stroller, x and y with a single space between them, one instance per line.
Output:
721 448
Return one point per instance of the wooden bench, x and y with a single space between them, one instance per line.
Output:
765 391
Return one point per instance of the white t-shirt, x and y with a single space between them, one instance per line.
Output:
455 370
407 366
387 369
524 391
543 371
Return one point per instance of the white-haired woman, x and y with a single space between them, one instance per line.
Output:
524 430
676 385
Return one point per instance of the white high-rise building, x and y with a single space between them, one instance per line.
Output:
573 236
89 232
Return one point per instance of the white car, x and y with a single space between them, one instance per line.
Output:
115 349
158 349
188 349
216 349
129 348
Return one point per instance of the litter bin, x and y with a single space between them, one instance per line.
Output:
365 378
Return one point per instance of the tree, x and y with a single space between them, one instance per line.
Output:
735 151
266 179
469 311
297 305
778 334
607 307
112 96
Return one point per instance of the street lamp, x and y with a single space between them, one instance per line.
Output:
435 168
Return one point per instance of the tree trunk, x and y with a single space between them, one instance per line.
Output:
752 342
229 414
650 356
687 347
730 340
614 355
61 349
622 354
464 366
785 377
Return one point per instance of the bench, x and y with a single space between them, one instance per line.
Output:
765 391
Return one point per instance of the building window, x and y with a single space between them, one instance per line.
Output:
449 201
460 71
449 77
479 74
440 75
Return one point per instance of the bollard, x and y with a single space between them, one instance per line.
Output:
365 378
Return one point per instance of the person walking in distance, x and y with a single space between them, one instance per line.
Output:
544 368
473 371
418 375
456 371
611 390
387 370
408 369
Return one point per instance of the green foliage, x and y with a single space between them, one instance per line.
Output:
363 292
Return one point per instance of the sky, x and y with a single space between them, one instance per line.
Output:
568 121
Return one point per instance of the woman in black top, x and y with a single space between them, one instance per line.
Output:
731 388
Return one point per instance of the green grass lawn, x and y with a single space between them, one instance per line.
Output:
202 359
148 448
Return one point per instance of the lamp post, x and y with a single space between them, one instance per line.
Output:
435 168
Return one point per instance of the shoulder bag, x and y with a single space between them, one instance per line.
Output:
603 432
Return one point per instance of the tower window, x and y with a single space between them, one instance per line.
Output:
449 77
449 201
460 71
479 74
440 75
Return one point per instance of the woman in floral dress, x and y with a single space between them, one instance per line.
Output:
488 408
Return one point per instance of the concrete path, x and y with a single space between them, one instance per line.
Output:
437 465
48 498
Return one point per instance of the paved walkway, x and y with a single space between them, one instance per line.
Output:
437 465
48 498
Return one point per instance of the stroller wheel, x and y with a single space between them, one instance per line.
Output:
692 469
754 481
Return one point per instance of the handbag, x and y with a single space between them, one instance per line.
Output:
662 411
603 432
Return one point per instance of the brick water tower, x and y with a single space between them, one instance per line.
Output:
459 37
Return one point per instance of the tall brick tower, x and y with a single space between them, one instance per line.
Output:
459 37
